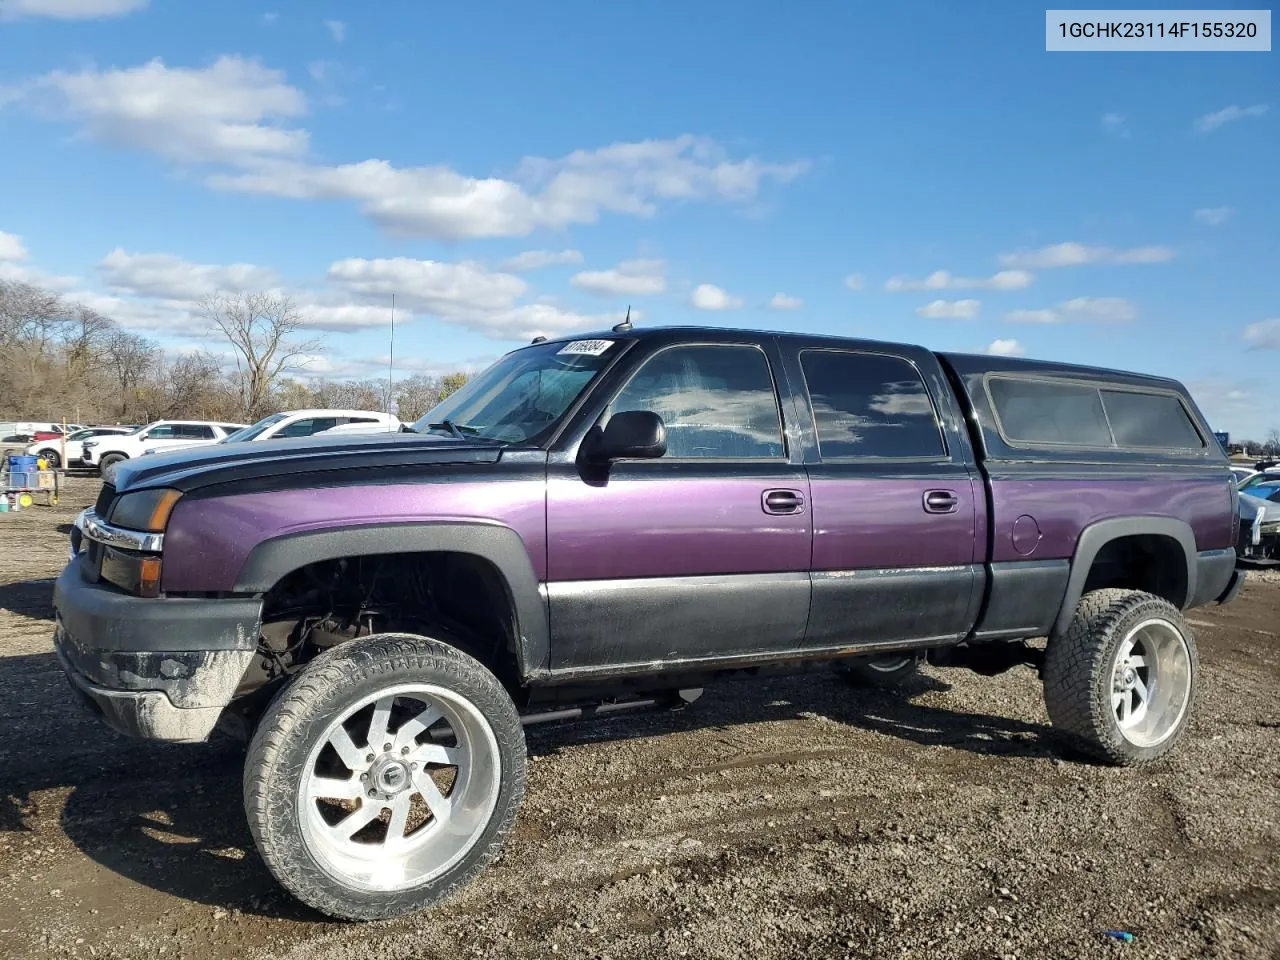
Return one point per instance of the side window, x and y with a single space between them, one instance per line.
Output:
194 431
359 420
718 402
162 432
869 405
1150 420
307 427
1040 411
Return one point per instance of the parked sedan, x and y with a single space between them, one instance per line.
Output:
308 423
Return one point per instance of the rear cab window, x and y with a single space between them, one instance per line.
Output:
869 405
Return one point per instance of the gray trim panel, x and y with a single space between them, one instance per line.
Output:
494 542
1097 535
1024 598
652 621
893 606
1213 575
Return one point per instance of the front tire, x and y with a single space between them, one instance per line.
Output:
1121 681
107 465
51 457
386 775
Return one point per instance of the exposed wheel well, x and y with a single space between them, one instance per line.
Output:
1150 562
459 598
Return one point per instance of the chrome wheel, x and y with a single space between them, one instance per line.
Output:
1151 682
399 788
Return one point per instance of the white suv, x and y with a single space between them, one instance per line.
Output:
308 423
69 449
106 452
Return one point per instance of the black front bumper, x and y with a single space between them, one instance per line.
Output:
161 669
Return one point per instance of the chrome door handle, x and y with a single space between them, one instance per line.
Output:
782 502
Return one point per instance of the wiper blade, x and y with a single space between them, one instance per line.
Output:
453 428
463 431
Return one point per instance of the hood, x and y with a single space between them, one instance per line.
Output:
196 467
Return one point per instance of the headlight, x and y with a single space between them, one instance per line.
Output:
145 510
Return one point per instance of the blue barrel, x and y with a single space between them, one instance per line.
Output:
23 463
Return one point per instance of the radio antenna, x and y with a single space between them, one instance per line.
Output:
391 357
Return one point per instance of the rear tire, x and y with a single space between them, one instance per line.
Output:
362 724
883 672
1121 681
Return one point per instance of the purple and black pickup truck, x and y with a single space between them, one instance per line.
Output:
599 522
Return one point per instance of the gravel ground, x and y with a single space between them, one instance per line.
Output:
783 818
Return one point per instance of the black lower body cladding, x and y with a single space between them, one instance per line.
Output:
160 669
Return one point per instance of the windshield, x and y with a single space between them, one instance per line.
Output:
521 395
248 433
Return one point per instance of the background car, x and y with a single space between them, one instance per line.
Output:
58 452
105 452
307 423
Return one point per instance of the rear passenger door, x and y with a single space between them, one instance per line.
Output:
699 555
896 544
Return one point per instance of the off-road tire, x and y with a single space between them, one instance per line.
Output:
879 673
294 721
107 465
1078 674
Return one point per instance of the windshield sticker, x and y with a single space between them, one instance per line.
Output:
592 348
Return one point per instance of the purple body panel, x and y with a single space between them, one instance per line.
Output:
1063 508
671 528
866 523
209 540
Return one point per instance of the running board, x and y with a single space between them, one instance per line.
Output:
667 701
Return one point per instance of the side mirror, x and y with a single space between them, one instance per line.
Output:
632 435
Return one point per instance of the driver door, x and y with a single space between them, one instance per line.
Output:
700 555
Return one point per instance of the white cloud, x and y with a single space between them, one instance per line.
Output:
631 179
631 278
11 248
1263 335
1212 216
229 111
1006 348
782 301
855 281
463 294
1077 254
337 29
1212 121
165 276
1083 309
707 296
537 259
69 9
1116 124
950 309
944 280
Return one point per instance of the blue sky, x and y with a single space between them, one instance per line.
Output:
911 171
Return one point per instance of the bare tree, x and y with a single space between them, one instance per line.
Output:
130 358
261 329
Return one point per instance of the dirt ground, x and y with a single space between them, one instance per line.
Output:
771 819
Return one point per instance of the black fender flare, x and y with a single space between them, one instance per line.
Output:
497 543
1098 534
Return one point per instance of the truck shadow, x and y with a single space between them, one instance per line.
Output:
30 598
169 816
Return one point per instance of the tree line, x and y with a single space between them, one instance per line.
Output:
61 360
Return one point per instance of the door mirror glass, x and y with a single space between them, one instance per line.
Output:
633 435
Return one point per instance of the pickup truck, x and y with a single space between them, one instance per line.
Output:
613 520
